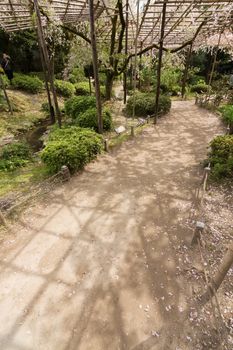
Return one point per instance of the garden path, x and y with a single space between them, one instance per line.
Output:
94 266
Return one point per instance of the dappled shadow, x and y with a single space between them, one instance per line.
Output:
95 266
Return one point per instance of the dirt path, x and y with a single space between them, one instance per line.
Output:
95 267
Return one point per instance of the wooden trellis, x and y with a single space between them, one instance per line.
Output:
185 23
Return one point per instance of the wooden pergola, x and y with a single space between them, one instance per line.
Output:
162 25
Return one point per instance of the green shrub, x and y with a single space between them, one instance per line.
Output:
71 146
227 114
14 155
82 88
89 119
170 80
199 88
27 83
64 88
221 156
79 104
145 104
77 75
5 80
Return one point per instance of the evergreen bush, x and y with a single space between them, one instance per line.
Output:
145 104
64 88
79 104
71 146
27 83
82 88
227 115
221 156
89 119
199 88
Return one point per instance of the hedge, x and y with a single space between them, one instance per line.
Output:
145 104
221 156
89 119
71 146
199 88
27 83
227 115
79 104
64 88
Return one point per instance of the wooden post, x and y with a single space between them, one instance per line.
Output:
126 47
219 276
135 60
89 79
5 94
51 109
46 58
185 76
140 65
214 63
160 61
95 66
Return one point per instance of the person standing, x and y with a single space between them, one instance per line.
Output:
7 66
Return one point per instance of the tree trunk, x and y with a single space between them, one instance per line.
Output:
109 85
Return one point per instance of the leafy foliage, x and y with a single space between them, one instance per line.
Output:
77 75
170 80
79 104
89 119
71 146
145 104
27 83
14 155
221 156
199 88
64 88
227 113
82 88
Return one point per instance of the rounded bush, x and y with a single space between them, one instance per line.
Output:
227 115
145 104
71 146
76 75
27 83
221 156
199 88
79 104
14 155
82 88
64 88
89 119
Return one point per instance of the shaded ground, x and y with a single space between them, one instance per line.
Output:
96 266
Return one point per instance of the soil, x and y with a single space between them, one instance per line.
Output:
105 262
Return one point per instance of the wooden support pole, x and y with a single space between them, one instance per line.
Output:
89 80
160 61
185 75
95 65
135 60
219 276
126 47
140 66
44 49
5 94
51 109
214 63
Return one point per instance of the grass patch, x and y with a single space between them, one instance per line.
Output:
21 179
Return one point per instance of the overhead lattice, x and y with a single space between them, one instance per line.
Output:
183 18
18 14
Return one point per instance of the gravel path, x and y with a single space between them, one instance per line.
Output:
94 267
